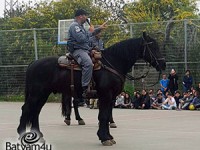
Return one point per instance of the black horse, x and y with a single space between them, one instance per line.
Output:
45 76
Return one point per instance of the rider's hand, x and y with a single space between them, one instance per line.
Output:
91 29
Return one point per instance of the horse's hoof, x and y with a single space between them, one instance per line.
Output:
113 125
68 122
107 143
81 122
113 141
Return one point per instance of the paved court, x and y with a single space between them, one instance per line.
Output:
137 129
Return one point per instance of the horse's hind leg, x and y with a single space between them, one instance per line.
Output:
66 108
24 119
37 105
30 113
77 115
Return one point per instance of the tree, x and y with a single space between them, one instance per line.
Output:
114 8
160 10
46 14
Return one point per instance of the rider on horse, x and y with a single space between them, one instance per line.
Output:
78 45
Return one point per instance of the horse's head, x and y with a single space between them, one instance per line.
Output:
151 53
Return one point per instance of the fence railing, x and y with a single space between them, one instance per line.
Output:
179 42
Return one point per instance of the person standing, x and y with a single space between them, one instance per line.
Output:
187 81
78 45
173 81
164 83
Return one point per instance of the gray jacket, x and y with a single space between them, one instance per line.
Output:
98 43
78 37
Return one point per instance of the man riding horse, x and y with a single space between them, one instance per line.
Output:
78 46
48 75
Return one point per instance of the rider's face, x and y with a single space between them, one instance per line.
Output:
83 18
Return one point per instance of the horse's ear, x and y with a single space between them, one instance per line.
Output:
145 35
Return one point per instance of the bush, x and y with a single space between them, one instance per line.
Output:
128 88
20 98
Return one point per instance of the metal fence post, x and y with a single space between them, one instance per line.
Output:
1 49
0 57
35 44
131 36
185 46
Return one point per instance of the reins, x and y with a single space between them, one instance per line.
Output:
128 76
152 57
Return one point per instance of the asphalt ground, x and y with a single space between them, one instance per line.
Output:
136 129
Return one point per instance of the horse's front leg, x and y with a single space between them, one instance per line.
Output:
112 125
111 120
104 109
77 115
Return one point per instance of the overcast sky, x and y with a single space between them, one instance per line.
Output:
1 7
2 4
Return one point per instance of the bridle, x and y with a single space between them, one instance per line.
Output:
130 77
152 56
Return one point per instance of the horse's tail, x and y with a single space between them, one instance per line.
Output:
64 107
27 83
27 101
26 91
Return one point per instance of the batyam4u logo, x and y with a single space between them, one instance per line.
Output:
29 141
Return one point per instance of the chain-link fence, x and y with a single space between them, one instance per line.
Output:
179 43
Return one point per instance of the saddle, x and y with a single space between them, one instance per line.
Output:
69 61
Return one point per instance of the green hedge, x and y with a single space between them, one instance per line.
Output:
20 98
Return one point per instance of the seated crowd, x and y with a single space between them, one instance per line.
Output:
168 97
188 100
158 100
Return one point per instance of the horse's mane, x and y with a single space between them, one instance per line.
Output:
126 48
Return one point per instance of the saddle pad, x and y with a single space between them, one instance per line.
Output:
63 61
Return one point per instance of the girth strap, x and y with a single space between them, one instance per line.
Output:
115 72
72 77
